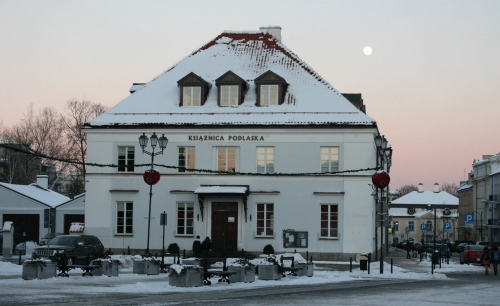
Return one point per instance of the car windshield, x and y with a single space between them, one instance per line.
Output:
49 236
476 247
64 240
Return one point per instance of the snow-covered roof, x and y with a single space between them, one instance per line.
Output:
221 189
426 198
37 193
464 187
309 99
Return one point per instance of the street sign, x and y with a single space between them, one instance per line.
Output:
469 218
423 227
447 225
407 229
163 219
402 235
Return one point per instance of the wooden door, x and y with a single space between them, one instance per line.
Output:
224 225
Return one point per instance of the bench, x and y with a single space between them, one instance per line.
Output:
164 267
285 270
209 273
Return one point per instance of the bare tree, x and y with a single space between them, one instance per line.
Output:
40 133
406 189
450 188
77 113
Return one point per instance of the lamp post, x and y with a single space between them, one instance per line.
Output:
143 142
384 160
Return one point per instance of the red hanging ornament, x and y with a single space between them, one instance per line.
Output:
381 179
151 176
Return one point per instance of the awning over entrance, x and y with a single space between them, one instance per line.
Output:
222 191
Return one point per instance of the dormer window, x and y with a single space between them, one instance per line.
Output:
194 90
231 89
271 89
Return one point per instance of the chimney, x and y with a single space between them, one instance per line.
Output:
273 30
436 188
420 187
42 181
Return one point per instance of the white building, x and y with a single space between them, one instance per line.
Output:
242 103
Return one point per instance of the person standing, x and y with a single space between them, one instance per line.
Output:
206 247
495 258
486 259
408 249
197 247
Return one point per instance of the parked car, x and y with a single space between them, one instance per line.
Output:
77 249
443 249
417 246
48 237
471 254
461 247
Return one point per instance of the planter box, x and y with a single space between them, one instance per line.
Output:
152 267
38 270
307 269
243 274
269 272
139 267
106 268
189 277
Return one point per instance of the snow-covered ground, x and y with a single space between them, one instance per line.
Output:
10 278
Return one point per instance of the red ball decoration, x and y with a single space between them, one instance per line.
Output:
381 179
151 176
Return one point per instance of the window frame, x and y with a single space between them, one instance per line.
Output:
266 155
127 165
227 96
330 160
188 154
124 224
235 169
265 219
194 81
191 94
395 225
411 225
188 223
269 94
329 221
231 79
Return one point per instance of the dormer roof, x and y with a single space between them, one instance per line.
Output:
309 99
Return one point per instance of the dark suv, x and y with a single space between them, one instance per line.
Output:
77 249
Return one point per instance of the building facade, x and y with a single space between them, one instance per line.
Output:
261 150
421 214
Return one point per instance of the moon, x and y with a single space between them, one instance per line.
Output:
367 50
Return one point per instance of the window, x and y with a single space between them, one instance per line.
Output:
265 159
428 226
226 159
329 159
185 214
191 96
411 225
229 95
186 159
265 219
329 221
124 217
268 94
126 157
395 226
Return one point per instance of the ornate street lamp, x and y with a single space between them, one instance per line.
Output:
152 176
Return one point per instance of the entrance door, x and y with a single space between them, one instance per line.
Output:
225 226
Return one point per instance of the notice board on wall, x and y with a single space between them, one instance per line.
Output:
295 239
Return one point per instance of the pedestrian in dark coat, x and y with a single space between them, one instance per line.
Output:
495 258
206 247
486 259
197 247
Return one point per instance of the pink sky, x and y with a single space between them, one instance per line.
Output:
431 82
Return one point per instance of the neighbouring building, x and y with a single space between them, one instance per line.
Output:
255 140
415 215
36 210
